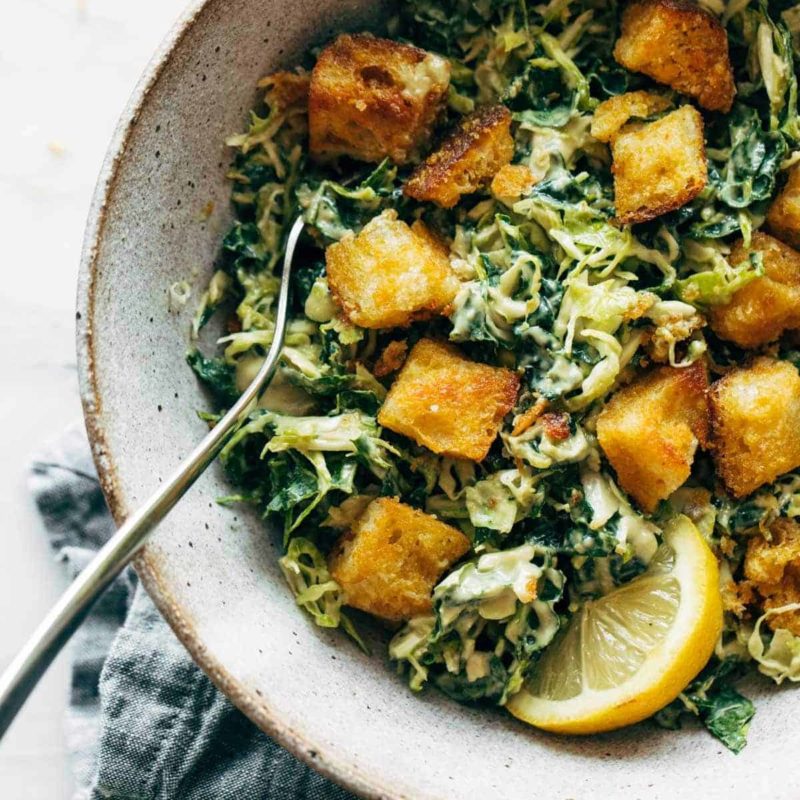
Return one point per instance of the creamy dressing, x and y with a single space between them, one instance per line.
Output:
432 73
319 305
501 500
493 584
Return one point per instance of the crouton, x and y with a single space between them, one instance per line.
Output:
391 359
447 403
680 44
650 431
372 98
783 216
772 566
392 558
737 596
658 166
431 237
612 114
466 160
767 306
512 182
389 274
754 413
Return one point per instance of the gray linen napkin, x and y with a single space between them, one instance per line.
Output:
144 722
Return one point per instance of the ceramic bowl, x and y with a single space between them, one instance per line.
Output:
213 571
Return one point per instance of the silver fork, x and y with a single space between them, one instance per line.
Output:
66 616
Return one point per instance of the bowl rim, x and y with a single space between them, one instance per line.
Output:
146 564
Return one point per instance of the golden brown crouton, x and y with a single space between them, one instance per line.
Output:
773 568
651 429
783 217
371 98
767 306
389 274
431 237
447 403
736 597
512 182
615 112
658 166
466 160
390 561
754 414
391 359
678 43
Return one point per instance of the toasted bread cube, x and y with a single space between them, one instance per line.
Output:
392 558
390 274
512 182
767 306
680 44
783 217
466 160
772 566
659 166
754 414
650 431
612 114
372 98
447 403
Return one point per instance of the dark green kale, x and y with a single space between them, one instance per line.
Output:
243 248
294 482
332 209
748 175
303 277
217 376
488 689
448 26
712 699
541 96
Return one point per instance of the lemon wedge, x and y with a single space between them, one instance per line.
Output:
626 655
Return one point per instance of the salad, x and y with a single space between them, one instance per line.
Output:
537 407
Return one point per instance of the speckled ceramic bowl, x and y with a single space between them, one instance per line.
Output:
212 571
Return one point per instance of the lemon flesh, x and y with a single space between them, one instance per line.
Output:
626 655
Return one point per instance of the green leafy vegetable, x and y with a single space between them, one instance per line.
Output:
492 616
217 375
710 697
315 591
753 157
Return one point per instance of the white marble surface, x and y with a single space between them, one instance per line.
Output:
67 68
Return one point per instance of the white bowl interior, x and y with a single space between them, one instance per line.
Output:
213 570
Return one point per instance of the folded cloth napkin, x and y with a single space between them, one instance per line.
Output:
144 721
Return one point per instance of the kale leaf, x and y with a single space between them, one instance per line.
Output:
727 716
217 376
243 247
748 175
725 712
447 26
